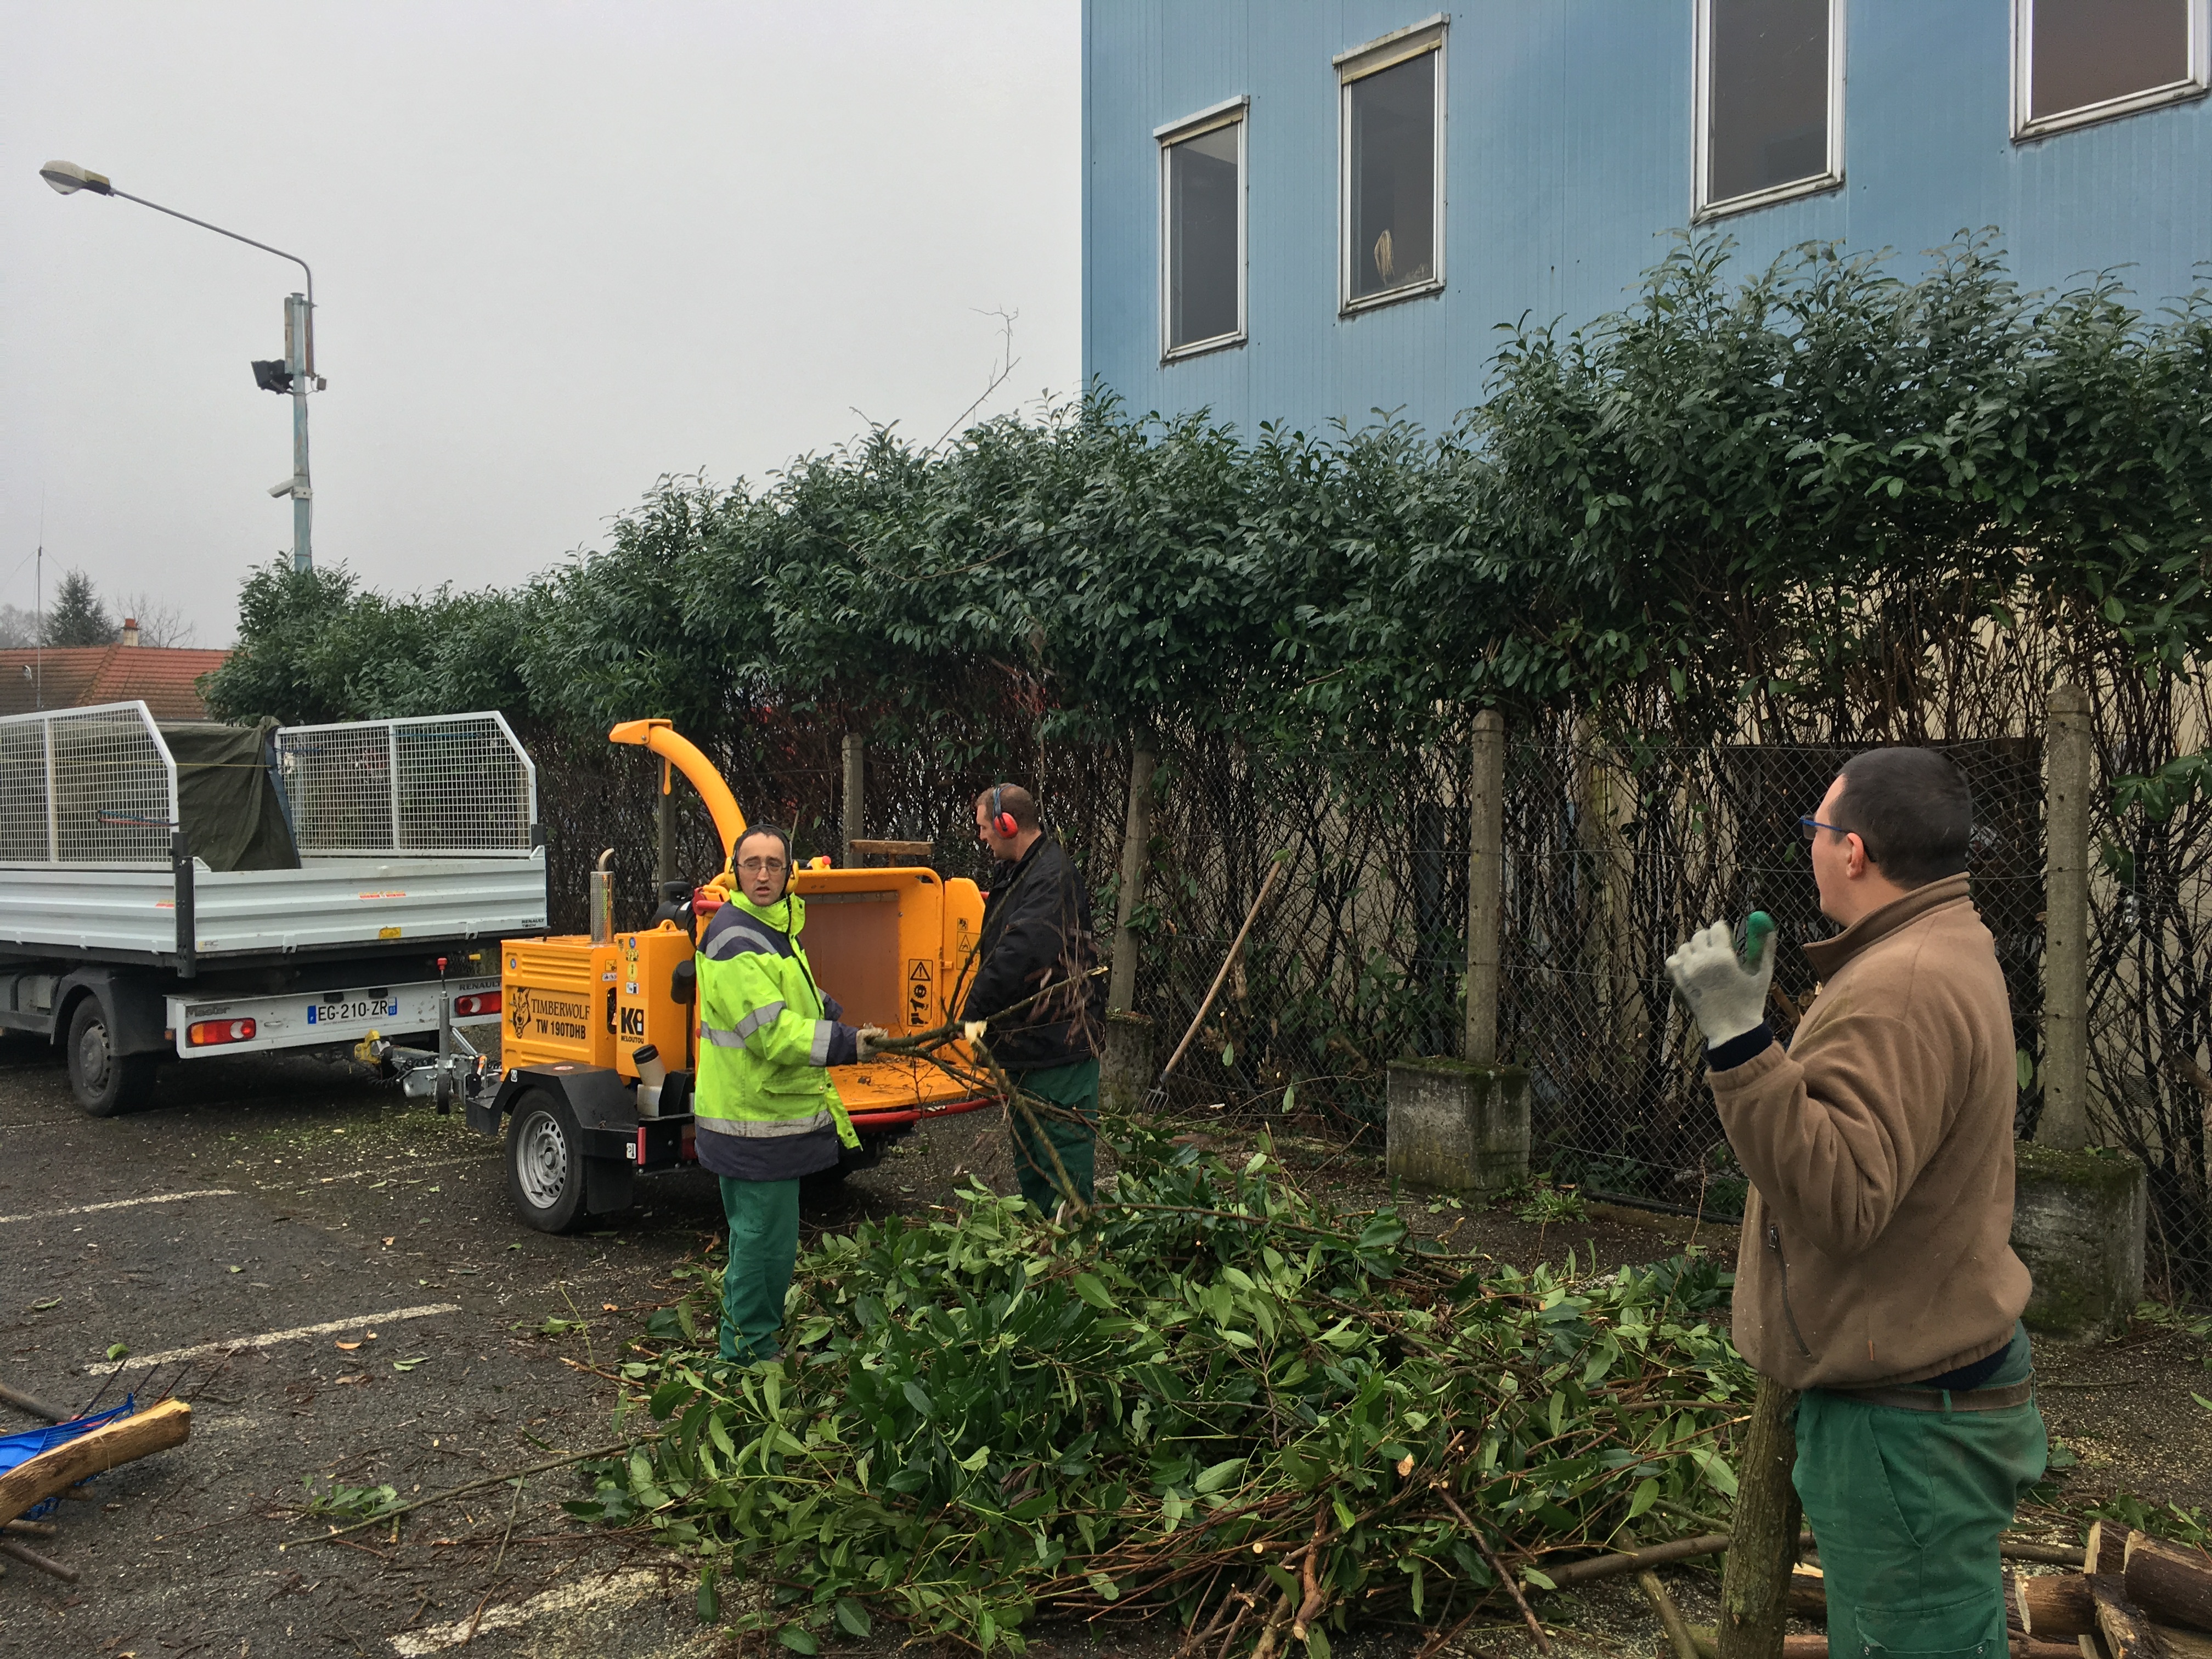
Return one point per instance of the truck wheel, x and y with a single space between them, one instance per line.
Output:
105 1084
545 1168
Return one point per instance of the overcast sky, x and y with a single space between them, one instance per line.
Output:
560 249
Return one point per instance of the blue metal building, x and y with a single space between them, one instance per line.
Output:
1298 210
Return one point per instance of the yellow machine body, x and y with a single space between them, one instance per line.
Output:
557 1002
890 945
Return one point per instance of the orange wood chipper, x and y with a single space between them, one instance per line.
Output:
600 1029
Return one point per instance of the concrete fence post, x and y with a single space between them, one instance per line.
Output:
1486 886
856 795
2069 773
1462 1125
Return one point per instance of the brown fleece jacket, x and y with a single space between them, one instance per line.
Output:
1876 1243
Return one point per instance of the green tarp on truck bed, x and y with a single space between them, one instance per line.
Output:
228 795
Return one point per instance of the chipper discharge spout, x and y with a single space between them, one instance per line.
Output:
601 1038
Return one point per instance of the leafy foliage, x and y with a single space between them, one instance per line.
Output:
1798 499
1222 1398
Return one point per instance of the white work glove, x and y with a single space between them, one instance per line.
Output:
1726 998
870 1036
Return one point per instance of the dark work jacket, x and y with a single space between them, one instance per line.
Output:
1037 933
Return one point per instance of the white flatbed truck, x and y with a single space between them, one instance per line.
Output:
384 862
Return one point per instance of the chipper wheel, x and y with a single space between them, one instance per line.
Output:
545 1162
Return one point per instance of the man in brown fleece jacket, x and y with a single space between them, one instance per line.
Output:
1875 1271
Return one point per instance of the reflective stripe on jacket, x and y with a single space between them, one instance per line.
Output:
765 1031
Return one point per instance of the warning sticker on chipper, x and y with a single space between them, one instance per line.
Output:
919 992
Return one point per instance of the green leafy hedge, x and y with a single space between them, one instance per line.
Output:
1794 493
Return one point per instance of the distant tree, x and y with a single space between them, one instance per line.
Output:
18 628
77 616
159 624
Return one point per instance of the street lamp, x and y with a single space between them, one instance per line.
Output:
292 374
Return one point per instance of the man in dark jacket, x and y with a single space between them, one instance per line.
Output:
1036 938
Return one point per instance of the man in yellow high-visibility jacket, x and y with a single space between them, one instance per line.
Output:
766 1109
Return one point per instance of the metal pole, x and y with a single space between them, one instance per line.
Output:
1136 843
2069 775
299 358
1486 894
855 801
664 831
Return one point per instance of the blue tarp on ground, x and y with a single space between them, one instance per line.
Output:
16 1449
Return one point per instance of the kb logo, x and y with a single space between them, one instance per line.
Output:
633 1022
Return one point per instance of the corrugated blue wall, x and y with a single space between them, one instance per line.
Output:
1569 140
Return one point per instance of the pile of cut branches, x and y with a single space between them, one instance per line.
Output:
1219 1398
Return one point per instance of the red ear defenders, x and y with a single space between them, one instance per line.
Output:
1002 822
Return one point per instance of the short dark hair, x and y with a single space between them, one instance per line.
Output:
1912 809
1014 800
751 829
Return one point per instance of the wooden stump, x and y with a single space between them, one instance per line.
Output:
1763 1547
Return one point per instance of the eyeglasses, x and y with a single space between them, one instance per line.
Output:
1809 825
762 867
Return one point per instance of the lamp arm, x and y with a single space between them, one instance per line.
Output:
232 234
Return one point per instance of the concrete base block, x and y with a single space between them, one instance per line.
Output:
2077 1222
1125 1072
1456 1127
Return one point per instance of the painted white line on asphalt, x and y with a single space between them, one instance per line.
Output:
269 1339
122 1204
622 1587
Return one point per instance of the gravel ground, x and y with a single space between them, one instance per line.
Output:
264 1195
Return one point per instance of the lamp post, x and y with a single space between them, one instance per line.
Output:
292 374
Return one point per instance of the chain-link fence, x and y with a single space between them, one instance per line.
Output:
1612 856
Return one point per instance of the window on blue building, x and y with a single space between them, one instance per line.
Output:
1392 158
1770 101
2078 61
1202 231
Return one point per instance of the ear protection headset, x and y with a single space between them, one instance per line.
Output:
1002 822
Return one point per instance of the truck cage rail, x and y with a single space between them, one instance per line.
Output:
98 785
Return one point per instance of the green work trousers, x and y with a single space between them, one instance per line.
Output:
763 1218
1072 1132
1907 1507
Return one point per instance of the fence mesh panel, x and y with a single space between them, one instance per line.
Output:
455 785
112 793
1611 859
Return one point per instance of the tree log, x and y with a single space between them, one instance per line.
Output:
1809 1595
30 1529
31 1405
1670 1616
1763 1547
123 1441
2127 1633
2092 1549
2055 1604
31 1558
2171 1583
2183 1643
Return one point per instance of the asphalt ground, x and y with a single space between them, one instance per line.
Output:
355 1305
266 1196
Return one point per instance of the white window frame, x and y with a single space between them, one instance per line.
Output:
1705 205
1230 112
2024 125
1415 40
